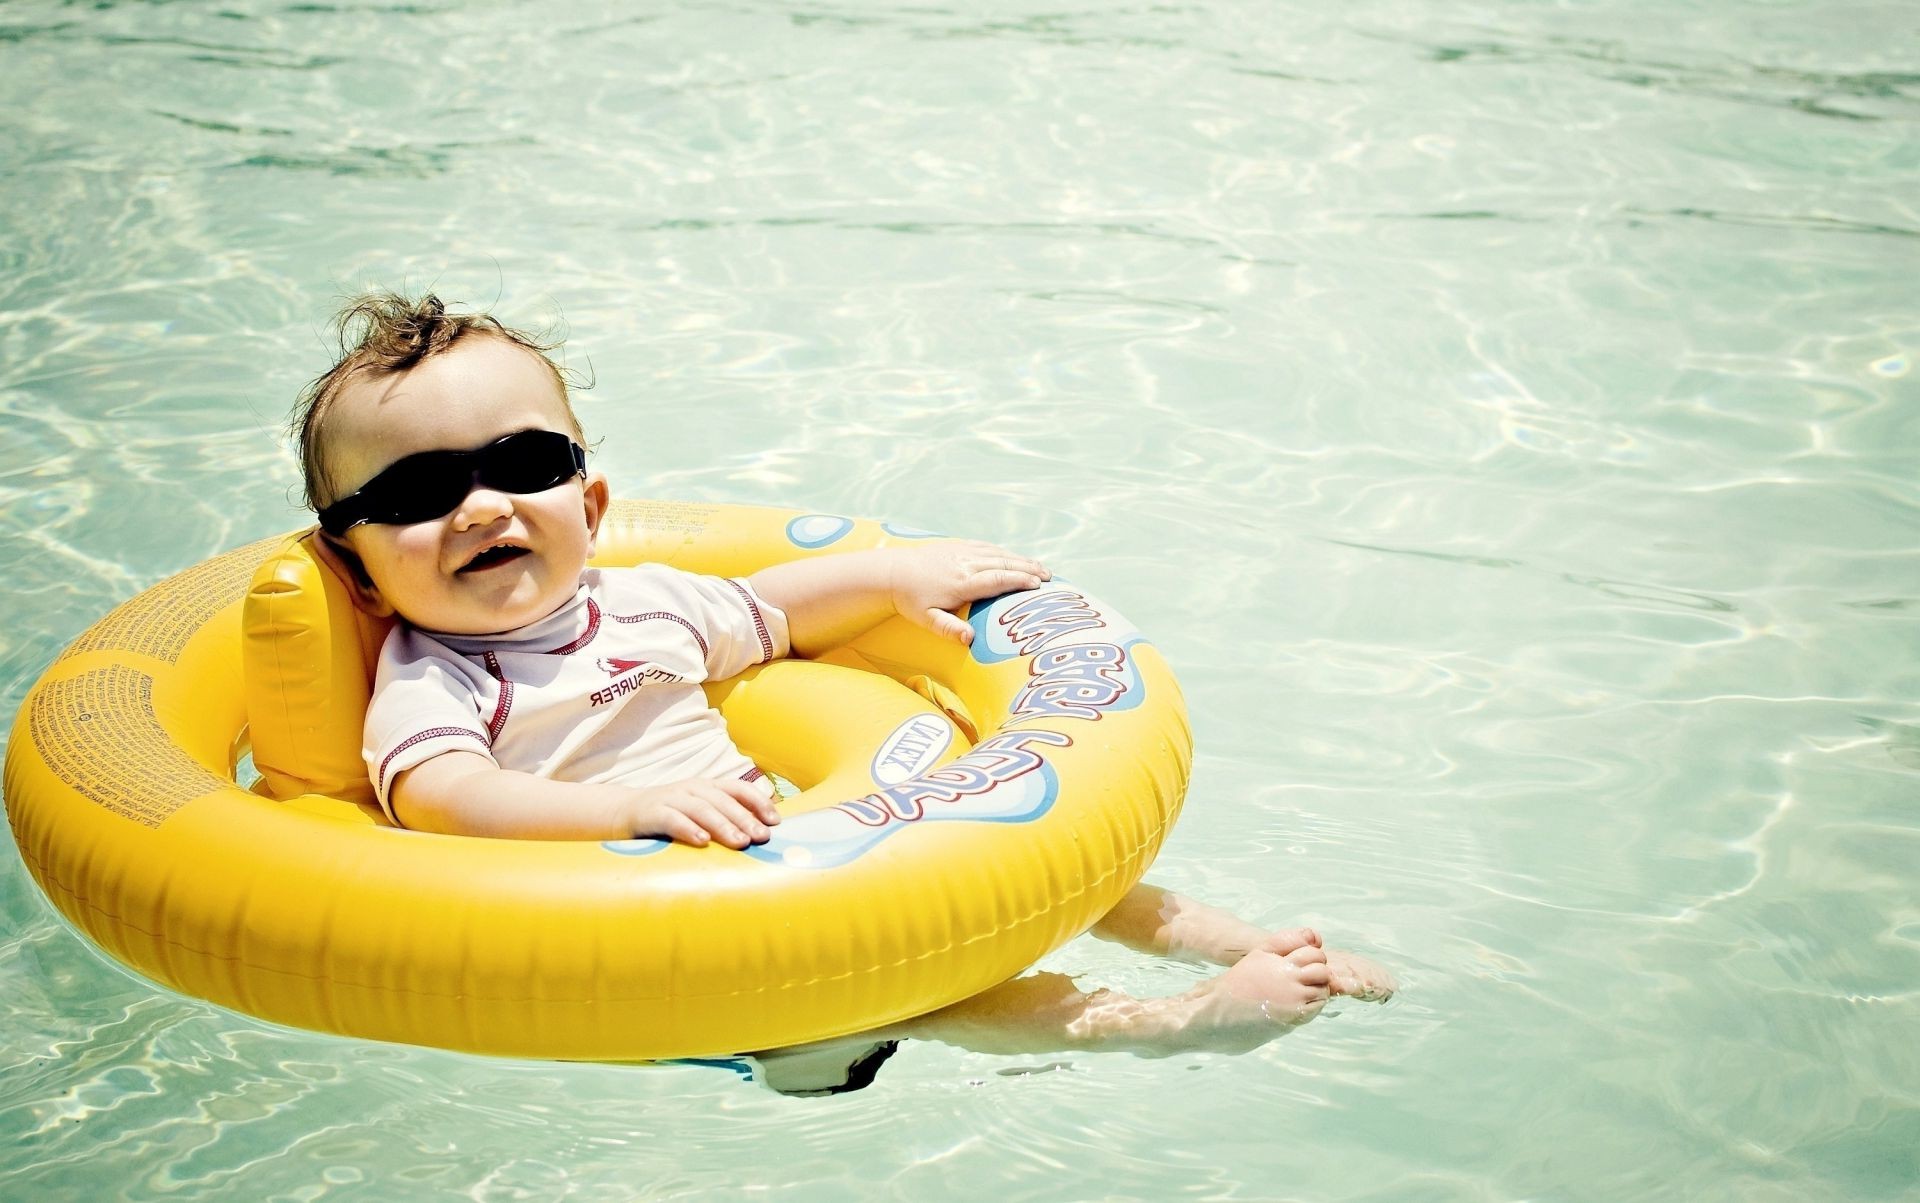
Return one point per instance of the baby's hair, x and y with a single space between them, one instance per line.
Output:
385 333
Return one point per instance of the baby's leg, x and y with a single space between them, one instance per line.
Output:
1159 921
1275 981
1154 920
1260 997
1150 919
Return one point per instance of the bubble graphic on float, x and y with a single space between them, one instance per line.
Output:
813 531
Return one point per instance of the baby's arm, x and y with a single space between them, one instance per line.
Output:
464 793
830 599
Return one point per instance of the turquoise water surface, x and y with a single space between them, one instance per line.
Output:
1502 415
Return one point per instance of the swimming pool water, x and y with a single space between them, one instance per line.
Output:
1501 414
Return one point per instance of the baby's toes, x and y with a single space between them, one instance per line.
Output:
1357 977
1307 955
1284 941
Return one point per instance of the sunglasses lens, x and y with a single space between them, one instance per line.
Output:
529 462
433 485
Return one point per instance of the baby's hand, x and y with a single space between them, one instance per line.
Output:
931 581
704 809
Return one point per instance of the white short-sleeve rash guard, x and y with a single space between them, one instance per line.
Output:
605 689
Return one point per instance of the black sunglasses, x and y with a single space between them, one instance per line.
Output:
432 484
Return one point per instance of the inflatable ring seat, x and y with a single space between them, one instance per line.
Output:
961 812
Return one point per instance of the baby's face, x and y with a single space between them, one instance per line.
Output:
499 560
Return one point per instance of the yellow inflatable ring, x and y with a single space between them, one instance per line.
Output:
961 813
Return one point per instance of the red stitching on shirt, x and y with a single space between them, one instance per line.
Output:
759 620
417 737
691 629
593 628
505 702
752 774
499 720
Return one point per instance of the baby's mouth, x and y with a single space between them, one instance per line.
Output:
493 557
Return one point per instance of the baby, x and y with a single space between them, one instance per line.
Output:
444 461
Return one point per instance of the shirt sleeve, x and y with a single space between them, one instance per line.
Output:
736 627
747 630
426 701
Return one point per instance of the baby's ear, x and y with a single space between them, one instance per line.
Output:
344 563
596 496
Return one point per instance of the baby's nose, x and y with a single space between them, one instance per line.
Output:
482 507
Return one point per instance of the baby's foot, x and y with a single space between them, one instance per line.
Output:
1262 996
1287 990
1287 939
1356 977
1353 975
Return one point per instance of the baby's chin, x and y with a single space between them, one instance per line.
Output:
494 611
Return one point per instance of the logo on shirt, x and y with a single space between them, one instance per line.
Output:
630 675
